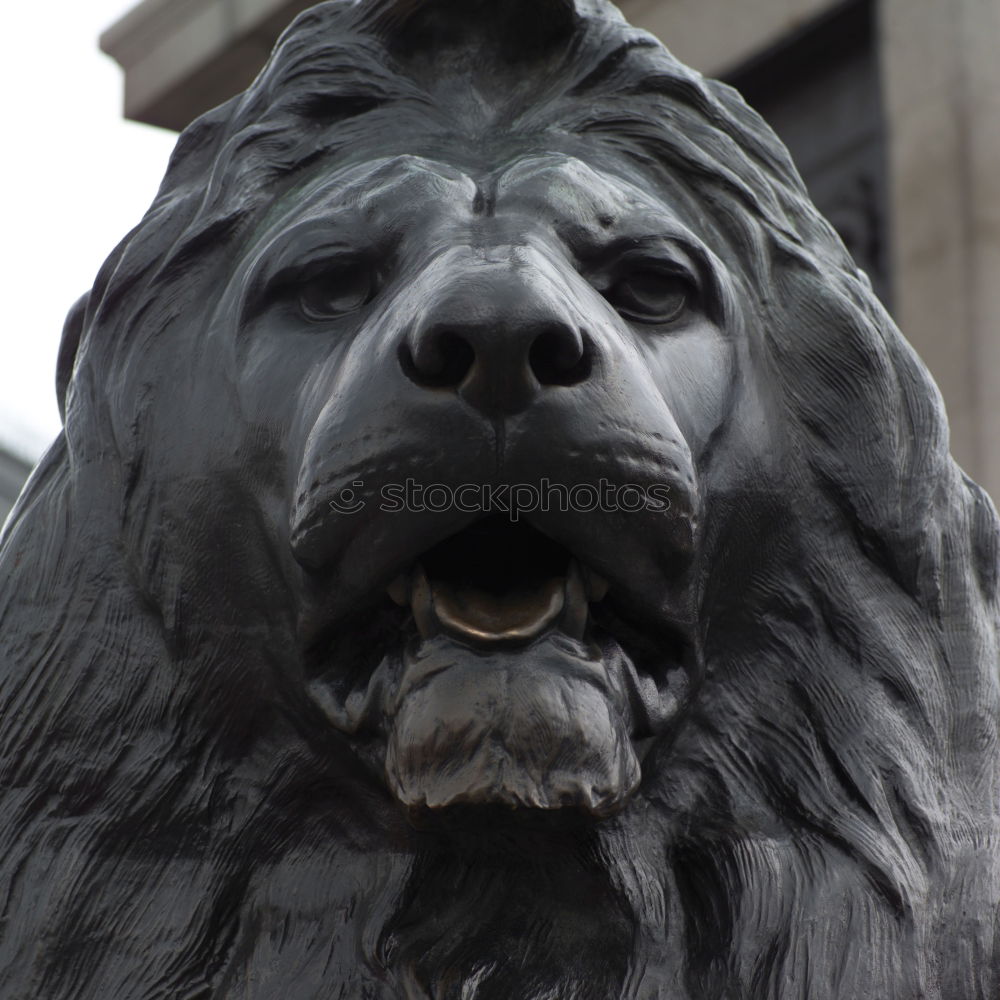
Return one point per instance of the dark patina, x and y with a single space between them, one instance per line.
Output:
499 549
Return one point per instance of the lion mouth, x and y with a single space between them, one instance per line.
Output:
498 582
502 673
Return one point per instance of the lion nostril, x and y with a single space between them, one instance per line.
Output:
443 360
493 365
559 357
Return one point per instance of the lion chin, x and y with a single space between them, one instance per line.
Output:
685 690
466 731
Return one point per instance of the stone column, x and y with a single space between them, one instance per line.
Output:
714 37
941 79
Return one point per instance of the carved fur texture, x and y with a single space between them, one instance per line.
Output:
180 821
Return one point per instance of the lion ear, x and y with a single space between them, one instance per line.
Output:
72 330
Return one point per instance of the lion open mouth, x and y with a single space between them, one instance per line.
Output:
498 582
506 678
504 698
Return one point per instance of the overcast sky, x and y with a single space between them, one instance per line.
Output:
76 178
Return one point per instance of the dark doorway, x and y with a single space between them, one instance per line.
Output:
821 92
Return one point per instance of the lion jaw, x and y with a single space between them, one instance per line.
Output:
543 728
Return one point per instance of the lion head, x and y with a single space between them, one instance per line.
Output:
499 548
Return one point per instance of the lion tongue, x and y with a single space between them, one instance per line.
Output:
475 614
520 615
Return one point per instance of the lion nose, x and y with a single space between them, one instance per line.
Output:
497 348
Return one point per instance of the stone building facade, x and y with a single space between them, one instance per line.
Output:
890 107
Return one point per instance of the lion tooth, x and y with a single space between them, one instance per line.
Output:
575 613
595 584
422 604
399 589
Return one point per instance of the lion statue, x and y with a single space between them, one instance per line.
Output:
499 549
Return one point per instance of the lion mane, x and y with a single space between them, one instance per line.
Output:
176 824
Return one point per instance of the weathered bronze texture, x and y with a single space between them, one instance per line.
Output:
499 549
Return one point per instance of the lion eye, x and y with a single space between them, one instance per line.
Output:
336 292
648 295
